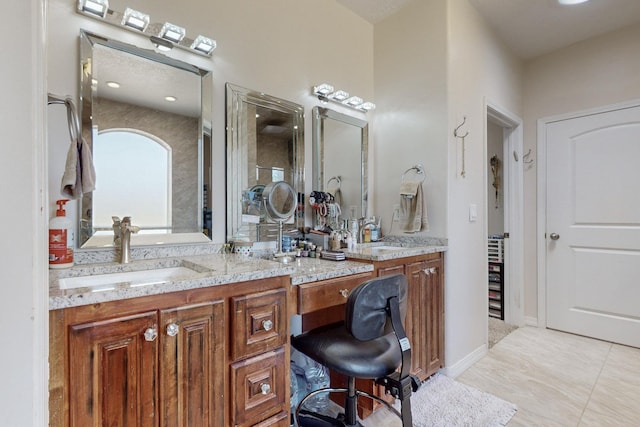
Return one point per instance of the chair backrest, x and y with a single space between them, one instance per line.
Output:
366 311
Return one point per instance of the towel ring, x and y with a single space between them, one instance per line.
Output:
337 179
419 171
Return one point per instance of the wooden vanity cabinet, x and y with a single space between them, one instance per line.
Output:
424 323
166 360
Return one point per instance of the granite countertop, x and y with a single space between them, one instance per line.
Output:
201 271
383 251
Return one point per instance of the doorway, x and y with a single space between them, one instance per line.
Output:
504 202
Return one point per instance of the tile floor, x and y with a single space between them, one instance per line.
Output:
558 379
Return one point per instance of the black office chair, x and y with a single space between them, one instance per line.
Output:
370 343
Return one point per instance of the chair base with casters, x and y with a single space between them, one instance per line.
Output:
370 344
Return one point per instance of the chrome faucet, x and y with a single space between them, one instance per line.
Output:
123 232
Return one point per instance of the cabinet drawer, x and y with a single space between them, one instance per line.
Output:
280 420
259 323
259 388
327 293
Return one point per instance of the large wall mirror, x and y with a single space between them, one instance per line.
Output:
265 144
340 152
147 119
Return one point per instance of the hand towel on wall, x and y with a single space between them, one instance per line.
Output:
79 173
413 208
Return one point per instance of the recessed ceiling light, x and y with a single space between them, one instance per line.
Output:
114 85
170 98
571 2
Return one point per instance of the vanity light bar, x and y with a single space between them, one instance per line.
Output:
140 22
95 7
134 19
204 44
173 33
325 93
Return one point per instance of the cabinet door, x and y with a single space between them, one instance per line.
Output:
433 286
416 322
112 372
192 370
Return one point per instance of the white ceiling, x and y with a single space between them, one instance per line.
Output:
530 27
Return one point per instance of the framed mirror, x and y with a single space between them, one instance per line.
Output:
340 153
265 144
147 119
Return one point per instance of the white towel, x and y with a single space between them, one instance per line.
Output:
409 188
413 208
79 173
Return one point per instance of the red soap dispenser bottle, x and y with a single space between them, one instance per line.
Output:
61 239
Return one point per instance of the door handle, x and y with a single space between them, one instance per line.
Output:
554 236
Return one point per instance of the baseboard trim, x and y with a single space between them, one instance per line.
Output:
465 363
531 321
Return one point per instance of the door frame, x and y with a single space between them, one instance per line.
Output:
513 180
542 193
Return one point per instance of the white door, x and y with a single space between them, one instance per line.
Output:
593 225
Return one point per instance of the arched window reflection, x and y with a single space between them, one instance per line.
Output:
133 171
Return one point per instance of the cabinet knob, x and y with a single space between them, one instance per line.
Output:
172 329
554 236
432 270
265 388
344 292
267 324
151 334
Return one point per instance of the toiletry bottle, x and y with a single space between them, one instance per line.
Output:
61 239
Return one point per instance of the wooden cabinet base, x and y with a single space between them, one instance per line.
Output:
173 360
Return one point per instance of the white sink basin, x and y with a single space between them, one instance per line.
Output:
134 278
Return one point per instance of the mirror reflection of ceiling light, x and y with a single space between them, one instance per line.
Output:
170 98
571 2
136 20
325 93
133 20
114 85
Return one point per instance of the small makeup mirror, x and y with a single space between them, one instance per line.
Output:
280 201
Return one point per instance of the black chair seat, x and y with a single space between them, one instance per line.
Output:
334 347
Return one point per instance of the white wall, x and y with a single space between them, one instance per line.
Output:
600 71
436 62
411 98
280 47
480 67
23 315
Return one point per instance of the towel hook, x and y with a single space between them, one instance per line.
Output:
455 133
419 171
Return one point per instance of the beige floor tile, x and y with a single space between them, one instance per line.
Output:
549 375
557 380
616 394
